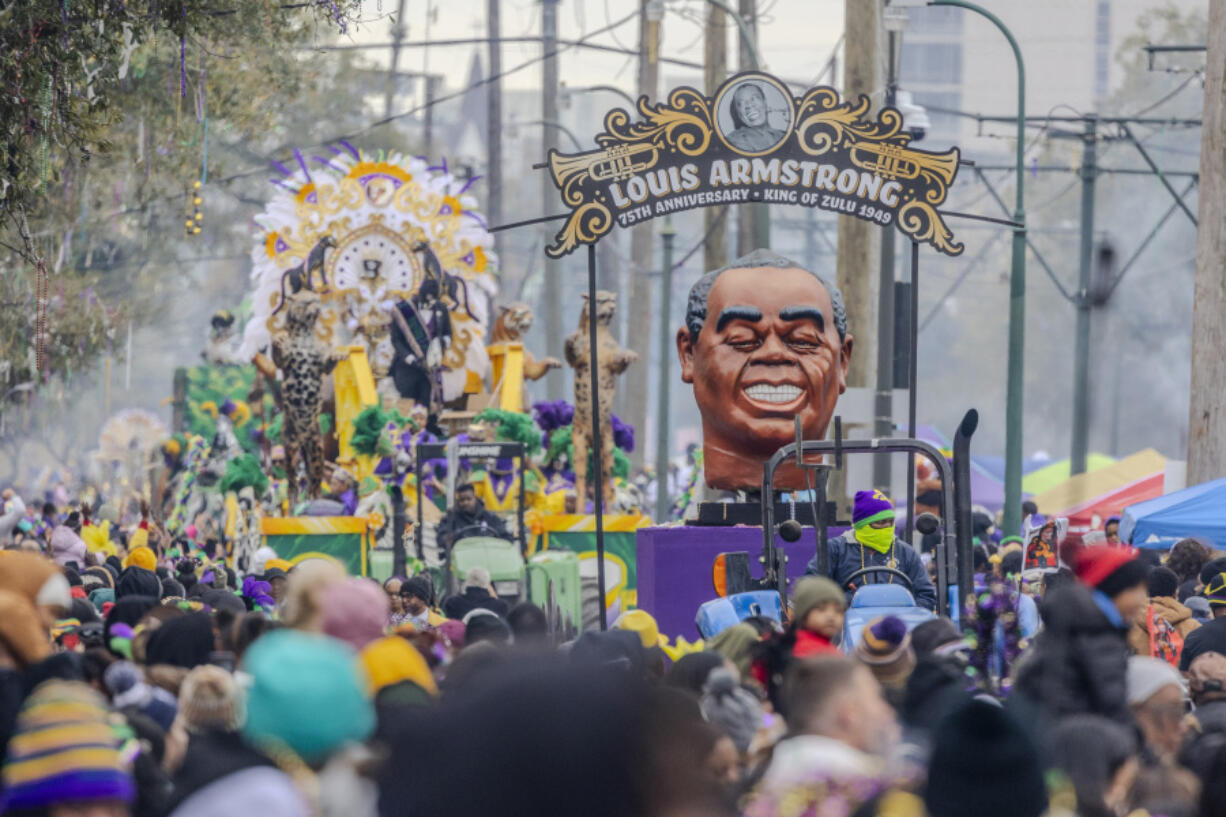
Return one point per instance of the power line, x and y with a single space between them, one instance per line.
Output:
562 46
1168 96
612 49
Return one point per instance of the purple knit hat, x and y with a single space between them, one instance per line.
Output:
870 507
885 648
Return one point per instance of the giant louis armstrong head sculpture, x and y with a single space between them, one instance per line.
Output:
764 340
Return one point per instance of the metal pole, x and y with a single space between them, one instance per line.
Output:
398 555
1158 172
715 69
1014 393
549 140
597 448
759 218
1081 353
493 125
419 533
389 92
912 382
883 425
428 118
667 233
747 34
519 509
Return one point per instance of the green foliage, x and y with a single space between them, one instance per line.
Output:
560 442
244 471
367 429
273 432
67 65
214 385
103 113
325 423
513 426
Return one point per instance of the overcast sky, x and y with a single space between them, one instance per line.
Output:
797 37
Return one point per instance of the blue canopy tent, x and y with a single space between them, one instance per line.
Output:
1160 522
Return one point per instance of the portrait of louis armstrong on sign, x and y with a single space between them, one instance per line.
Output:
750 114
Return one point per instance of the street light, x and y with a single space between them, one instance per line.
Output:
1017 282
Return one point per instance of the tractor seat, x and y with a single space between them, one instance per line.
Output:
883 595
719 614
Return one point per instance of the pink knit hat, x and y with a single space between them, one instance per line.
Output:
356 611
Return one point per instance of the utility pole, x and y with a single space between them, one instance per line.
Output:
638 288
858 250
1207 411
427 120
667 233
883 404
398 29
428 117
493 125
715 60
752 219
1084 301
549 138
859 243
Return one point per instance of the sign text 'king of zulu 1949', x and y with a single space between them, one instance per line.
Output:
753 142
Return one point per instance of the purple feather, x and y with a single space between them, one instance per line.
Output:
553 414
280 168
327 163
623 434
469 184
302 163
356 154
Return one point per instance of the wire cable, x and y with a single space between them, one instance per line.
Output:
379 122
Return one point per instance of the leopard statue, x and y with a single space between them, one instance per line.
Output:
514 321
300 277
611 361
303 360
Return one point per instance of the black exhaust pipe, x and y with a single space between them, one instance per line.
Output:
963 531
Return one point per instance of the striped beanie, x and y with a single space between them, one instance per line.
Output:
64 750
885 648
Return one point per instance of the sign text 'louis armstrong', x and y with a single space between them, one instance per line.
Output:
753 142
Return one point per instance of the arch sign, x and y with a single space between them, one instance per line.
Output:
753 142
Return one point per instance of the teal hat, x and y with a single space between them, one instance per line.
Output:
101 596
308 692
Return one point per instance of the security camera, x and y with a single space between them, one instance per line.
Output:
915 117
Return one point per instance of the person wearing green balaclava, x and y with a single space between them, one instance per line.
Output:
871 543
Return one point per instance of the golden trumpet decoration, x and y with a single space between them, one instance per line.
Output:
896 162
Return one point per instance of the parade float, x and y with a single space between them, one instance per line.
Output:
367 374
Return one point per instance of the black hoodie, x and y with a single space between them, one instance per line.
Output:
1079 663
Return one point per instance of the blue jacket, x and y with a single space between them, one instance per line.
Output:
847 556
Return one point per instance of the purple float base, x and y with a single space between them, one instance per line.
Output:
674 568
